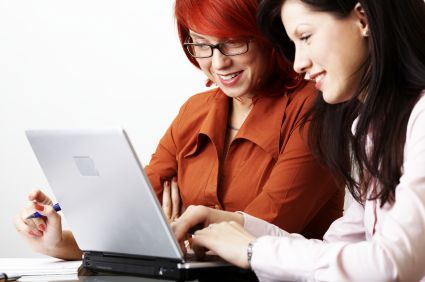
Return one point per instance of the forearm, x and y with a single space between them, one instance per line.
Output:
315 260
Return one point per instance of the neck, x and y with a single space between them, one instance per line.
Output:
240 109
242 104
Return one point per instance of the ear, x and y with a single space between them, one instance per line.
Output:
361 20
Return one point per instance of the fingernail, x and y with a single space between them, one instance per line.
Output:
175 178
39 207
35 233
42 227
166 183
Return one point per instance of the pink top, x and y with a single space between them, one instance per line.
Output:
350 250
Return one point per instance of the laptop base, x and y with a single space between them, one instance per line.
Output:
159 268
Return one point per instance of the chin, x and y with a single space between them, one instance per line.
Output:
332 99
233 93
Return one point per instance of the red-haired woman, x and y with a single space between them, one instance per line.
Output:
236 147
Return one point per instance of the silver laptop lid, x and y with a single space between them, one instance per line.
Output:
103 191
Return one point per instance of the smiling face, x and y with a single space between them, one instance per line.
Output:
330 51
237 76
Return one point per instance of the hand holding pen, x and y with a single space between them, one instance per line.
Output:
39 223
56 207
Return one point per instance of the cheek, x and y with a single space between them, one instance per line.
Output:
257 66
204 66
255 59
206 69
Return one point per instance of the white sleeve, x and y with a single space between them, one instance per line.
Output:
349 228
395 252
259 227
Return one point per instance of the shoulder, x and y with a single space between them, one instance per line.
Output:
307 93
416 122
419 107
203 97
198 104
197 107
301 99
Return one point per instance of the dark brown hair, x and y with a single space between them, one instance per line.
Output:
393 80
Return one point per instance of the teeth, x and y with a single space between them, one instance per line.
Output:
319 77
230 76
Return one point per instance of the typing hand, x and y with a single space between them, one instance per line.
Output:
198 217
227 239
195 217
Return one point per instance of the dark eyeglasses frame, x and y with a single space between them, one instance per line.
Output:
212 47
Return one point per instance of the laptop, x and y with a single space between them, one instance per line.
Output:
110 205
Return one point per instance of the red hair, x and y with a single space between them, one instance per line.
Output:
234 18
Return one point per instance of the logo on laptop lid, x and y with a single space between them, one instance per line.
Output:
86 166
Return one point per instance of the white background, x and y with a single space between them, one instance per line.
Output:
83 63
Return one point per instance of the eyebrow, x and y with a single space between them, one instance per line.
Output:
297 31
196 35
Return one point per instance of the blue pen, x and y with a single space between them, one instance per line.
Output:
56 207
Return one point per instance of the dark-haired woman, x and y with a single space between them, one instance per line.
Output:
367 60
237 147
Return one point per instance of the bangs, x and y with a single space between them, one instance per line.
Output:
219 18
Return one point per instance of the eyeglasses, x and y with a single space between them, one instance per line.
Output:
227 48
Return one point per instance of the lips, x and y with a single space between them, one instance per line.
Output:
317 77
229 79
229 76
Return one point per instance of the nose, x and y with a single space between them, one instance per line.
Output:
302 62
220 61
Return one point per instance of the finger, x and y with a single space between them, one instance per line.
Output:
52 217
38 196
184 247
34 223
198 246
181 241
199 251
27 211
40 223
175 199
193 215
24 229
166 199
49 213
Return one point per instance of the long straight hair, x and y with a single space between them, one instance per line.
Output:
393 81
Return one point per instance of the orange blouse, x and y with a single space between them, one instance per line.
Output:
268 171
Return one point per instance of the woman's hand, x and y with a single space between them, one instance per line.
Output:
41 233
171 201
44 234
198 217
228 239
